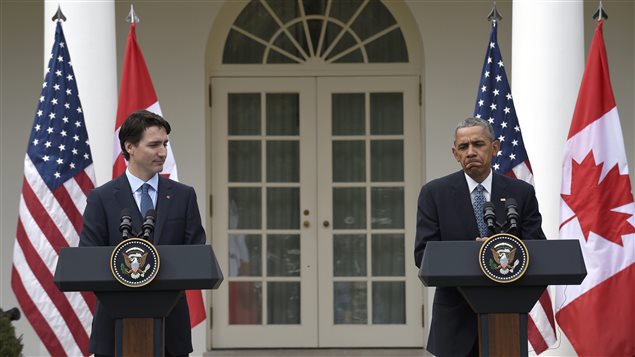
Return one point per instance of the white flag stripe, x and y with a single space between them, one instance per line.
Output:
522 173
50 203
41 300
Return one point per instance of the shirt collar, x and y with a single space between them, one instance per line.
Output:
135 182
487 183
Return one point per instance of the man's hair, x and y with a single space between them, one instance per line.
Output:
132 129
471 122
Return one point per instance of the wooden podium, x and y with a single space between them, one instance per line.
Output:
502 308
139 328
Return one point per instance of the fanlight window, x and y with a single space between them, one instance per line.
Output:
301 31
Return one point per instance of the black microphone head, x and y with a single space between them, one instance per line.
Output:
151 213
511 203
126 212
488 207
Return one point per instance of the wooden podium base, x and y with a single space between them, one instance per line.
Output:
503 335
139 337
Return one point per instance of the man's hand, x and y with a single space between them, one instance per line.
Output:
481 239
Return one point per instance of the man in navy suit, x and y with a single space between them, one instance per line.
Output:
445 212
143 138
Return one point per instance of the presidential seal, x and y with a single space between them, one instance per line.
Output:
503 258
134 262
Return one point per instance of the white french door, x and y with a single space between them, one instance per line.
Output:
314 184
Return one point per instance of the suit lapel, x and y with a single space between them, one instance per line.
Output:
164 197
463 203
123 195
499 192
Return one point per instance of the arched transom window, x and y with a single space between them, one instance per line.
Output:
304 31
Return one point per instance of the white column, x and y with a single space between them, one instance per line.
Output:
547 64
90 33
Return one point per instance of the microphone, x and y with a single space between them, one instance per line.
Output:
489 216
512 214
125 227
148 224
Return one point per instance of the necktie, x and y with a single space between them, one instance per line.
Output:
146 201
479 201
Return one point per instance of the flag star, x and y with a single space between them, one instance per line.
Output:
69 91
507 110
515 142
60 59
481 102
76 138
47 144
60 161
483 88
49 130
48 69
492 45
44 85
54 101
62 147
57 175
499 78
52 116
69 77
70 63
74 151
504 124
56 87
487 74
501 138
509 96
41 99
72 165
489 59
478 115
493 106
37 127
496 167
65 119
517 128
78 124
58 73
87 143
62 44
35 142
45 158
495 92
67 106
86 156
512 156
79 109
39 113
491 120
499 153
500 63
63 133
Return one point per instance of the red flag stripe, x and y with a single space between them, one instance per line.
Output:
72 213
84 182
44 331
45 278
535 337
545 302
42 219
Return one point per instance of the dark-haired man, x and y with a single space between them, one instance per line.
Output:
143 138
445 212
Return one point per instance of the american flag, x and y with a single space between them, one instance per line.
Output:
494 103
58 173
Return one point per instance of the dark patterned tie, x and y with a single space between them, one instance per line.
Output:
479 201
146 201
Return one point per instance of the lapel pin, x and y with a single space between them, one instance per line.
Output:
167 196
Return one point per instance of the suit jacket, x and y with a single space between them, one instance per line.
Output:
445 212
178 221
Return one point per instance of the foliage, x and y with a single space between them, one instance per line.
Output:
10 345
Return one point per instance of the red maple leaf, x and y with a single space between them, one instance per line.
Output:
592 201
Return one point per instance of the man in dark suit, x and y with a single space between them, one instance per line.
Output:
445 212
143 138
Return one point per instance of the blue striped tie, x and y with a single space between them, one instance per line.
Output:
146 200
479 202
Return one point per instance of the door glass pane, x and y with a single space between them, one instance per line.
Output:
349 208
349 255
387 207
386 113
386 160
349 161
283 161
245 302
283 303
243 114
283 114
349 301
388 254
245 252
283 255
389 302
245 208
348 114
244 161
283 208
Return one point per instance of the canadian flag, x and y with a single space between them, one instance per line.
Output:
136 92
597 208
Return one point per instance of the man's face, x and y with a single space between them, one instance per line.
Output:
474 151
148 156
